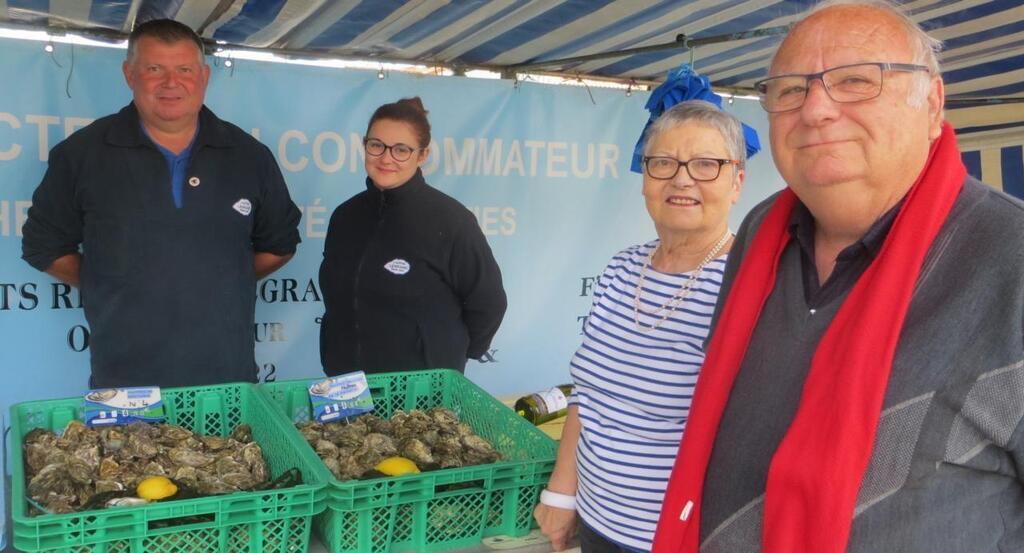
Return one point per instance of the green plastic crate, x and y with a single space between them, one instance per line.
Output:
441 509
268 521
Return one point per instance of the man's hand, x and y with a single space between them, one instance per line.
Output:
66 268
559 525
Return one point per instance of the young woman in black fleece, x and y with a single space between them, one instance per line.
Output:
408 279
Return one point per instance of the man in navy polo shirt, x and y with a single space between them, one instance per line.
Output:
165 216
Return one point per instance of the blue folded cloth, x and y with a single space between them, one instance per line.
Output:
683 83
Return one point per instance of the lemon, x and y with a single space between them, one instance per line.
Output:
155 488
397 466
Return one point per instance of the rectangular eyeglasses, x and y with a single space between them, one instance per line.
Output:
844 84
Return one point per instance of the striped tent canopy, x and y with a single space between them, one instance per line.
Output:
984 54
730 41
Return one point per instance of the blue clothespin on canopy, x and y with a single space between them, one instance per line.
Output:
683 83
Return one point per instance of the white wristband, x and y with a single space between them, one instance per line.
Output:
559 500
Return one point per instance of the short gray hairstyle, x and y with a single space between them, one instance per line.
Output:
167 31
703 113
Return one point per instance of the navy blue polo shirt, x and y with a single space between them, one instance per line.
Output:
176 164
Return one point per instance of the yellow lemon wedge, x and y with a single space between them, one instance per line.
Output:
155 488
397 466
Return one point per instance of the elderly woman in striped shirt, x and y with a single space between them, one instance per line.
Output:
643 341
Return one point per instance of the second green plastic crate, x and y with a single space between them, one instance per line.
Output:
436 510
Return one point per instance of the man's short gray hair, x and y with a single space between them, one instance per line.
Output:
167 31
703 113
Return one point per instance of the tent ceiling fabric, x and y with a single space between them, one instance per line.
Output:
984 54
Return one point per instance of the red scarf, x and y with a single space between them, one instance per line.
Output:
815 474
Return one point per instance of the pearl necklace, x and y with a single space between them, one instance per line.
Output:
670 306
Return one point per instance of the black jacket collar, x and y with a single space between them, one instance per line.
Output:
126 131
397 195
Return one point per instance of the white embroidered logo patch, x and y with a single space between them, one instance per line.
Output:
398 266
243 206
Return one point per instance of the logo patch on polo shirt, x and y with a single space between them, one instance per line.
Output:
398 266
243 206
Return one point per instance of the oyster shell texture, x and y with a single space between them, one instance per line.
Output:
64 471
432 439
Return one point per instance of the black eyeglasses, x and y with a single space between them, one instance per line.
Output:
699 168
376 148
844 84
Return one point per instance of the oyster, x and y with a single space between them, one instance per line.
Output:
76 432
103 486
40 436
252 455
379 444
139 446
242 433
227 465
53 479
312 431
88 454
215 443
444 417
478 451
153 468
189 457
112 439
325 448
109 469
38 455
352 467
186 475
143 429
171 434
377 425
79 470
345 434
430 437
417 452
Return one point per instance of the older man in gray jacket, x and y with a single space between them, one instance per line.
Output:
864 384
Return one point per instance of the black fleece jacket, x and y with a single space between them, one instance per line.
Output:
409 283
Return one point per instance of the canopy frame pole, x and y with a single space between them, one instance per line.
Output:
682 42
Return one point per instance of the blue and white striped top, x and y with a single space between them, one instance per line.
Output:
633 391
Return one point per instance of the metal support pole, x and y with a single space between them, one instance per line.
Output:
682 42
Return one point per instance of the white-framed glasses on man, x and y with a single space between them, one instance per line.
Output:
400 152
699 168
844 84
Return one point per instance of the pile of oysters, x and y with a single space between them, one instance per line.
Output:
65 471
433 439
